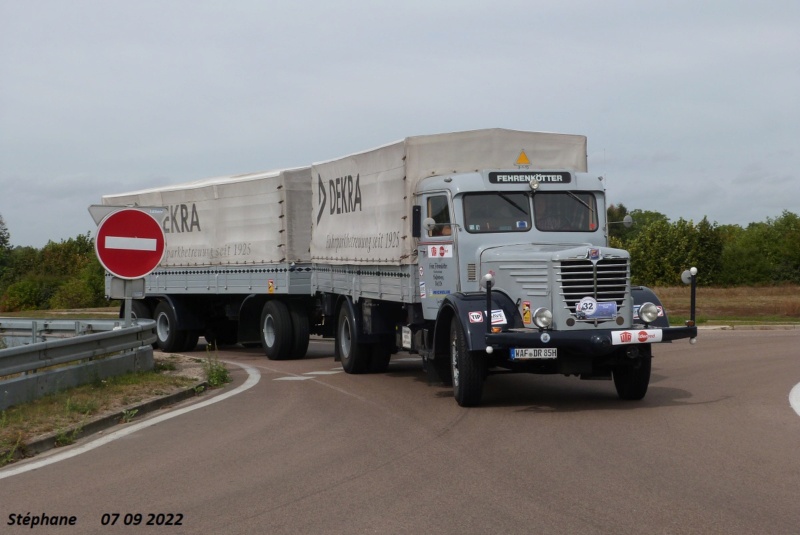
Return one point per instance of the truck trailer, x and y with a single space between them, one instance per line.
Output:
482 251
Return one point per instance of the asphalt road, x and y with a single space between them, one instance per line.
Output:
713 448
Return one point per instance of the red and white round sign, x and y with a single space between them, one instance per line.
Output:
129 243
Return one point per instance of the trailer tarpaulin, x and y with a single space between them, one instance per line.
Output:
362 202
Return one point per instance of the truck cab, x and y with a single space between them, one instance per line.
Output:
516 273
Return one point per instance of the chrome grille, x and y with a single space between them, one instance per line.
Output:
606 281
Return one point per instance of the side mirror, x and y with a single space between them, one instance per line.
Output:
416 217
627 221
428 224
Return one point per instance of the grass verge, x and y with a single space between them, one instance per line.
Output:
64 414
726 306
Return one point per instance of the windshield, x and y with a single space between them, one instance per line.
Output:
497 212
565 211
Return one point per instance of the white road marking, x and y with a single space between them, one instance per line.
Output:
293 378
794 398
332 372
253 376
131 244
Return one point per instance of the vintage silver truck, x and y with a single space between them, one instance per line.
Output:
482 251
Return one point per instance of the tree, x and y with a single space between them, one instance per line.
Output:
5 236
5 246
661 251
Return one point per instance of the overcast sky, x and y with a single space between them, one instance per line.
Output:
691 108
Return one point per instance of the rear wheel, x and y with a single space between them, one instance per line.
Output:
355 356
300 330
467 369
169 337
632 378
276 330
139 310
380 355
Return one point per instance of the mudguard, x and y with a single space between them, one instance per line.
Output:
470 309
642 294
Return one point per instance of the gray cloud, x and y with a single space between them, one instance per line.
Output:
690 107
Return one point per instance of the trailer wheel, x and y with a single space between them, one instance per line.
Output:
354 355
632 379
139 310
467 371
276 330
300 330
169 337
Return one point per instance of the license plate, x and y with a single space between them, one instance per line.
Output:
523 353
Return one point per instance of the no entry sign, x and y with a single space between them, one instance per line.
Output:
129 243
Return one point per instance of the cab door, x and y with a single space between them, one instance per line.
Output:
436 253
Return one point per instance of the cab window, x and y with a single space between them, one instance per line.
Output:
439 211
565 211
497 212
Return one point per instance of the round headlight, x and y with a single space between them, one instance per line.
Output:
648 312
543 318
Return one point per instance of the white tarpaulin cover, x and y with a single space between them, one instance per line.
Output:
362 202
244 219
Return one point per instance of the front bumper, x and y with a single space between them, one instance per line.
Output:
597 342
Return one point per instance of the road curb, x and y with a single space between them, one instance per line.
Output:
48 442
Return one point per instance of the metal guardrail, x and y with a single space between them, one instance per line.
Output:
60 354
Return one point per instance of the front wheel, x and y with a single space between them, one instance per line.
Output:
632 378
467 368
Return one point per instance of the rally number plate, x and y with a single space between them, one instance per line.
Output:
527 353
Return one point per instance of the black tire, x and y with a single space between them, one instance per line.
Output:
467 369
168 337
632 379
300 330
276 330
380 355
139 309
355 355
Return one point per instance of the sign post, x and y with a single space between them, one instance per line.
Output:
129 244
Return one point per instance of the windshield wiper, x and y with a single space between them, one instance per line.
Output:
512 203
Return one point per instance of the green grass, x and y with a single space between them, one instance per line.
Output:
65 412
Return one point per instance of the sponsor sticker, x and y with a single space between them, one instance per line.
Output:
589 307
476 317
422 293
643 336
526 312
440 251
498 317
